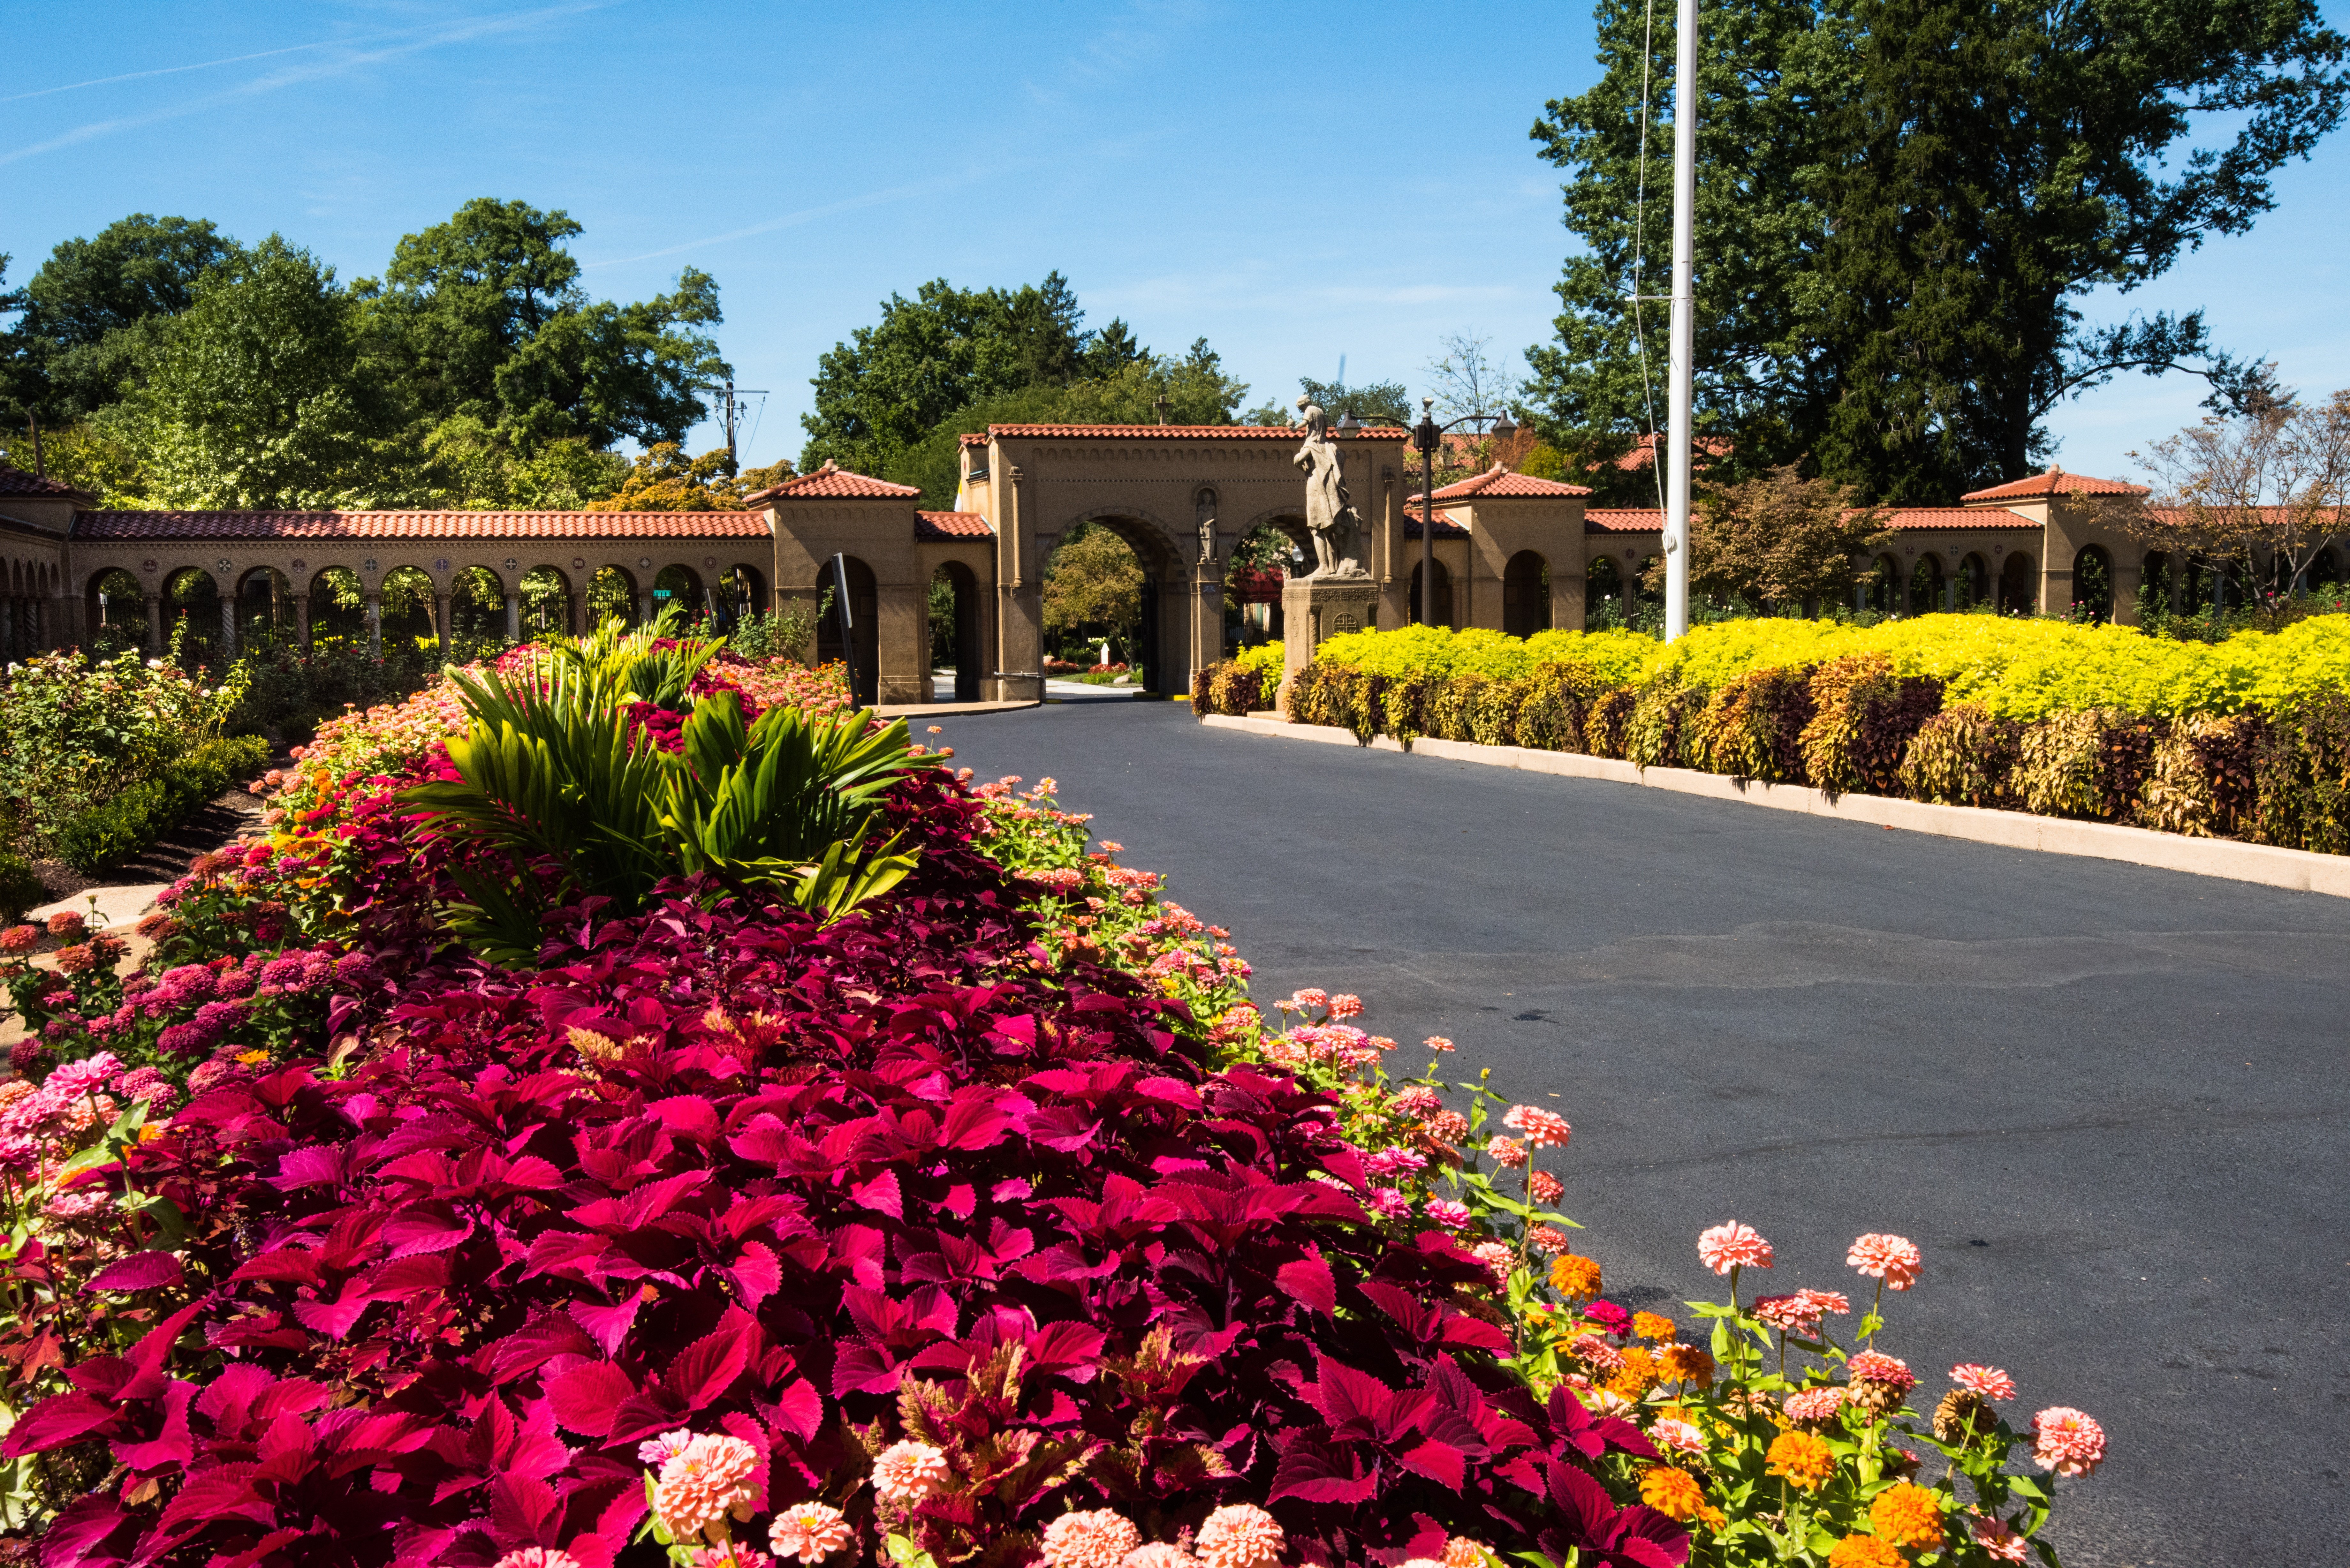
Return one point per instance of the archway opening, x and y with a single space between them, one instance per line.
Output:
744 590
1884 585
861 652
954 628
1974 582
1924 586
2093 584
545 603
2323 573
406 599
1526 595
1267 556
337 607
1603 594
1443 598
679 587
191 613
1100 606
116 613
261 607
477 613
612 595
2017 594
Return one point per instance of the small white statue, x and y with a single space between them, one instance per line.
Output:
1329 512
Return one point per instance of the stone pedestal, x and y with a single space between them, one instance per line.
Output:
1316 607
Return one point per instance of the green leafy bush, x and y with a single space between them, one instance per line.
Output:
143 812
19 889
1753 728
1963 755
1865 719
1663 722
2301 776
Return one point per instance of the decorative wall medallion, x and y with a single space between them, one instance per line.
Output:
1998 549
222 565
1911 548
297 563
578 563
147 565
441 565
369 567
709 560
510 562
644 563
1345 622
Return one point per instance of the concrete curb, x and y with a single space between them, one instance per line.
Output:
2297 870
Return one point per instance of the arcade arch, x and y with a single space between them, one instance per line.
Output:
954 626
1443 578
546 600
1526 595
612 593
2093 584
1926 585
2018 591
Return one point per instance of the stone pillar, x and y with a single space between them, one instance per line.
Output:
277 603
154 623
575 611
8 626
645 608
513 617
440 621
1316 608
375 627
302 621
228 626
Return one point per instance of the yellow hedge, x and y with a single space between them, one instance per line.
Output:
2017 669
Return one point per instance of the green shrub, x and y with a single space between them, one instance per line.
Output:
1447 707
2088 766
19 889
2203 783
1403 707
1753 727
1963 755
2301 775
1863 718
137 817
1662 723
1493 712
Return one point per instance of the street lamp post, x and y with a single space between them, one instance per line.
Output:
1426 437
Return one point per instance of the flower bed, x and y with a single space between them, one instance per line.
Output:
982 1220
2248 739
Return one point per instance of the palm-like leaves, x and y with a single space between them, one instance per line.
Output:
552 775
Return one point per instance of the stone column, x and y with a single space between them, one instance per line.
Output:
645 608
440 621
277 603
154 623
228 626
375 627
8 626
575 611
302 621
1312 608
513 617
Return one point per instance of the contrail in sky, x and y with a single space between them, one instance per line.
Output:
293 76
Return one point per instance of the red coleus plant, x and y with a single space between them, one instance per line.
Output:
819 1188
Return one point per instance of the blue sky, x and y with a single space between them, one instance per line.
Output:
815 157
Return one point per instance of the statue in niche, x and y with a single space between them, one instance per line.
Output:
1329 512
1205 504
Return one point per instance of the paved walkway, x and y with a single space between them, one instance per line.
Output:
2108 1102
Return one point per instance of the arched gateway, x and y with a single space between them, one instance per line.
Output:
1512 553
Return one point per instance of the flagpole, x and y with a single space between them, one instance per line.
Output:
1677 474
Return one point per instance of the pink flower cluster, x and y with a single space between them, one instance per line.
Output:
810 1532
1506 1152
2067 1442
1542 1128
1876 1366
909 1472
1988 1382
1417 1100
703 1481
1814 1403
1893 1259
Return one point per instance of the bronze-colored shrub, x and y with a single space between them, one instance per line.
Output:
2203 783
1447 707
1663 722
1403 708
1962 756
1865 717
1203 688
1753 727
1303 704
2301 776
1354 702
1558 701
2088 765
1605 726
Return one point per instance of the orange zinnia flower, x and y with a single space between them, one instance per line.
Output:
1802 1458
1906 1515
1672 1494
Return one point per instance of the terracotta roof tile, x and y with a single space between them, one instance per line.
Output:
1445 528
2056 481
106 525
1183 432
1623 520
951 525
1938 519
832 481
17 482
1498 480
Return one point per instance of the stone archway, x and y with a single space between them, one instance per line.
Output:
1526 595
1162 643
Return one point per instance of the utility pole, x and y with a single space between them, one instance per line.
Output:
729 410
1677 483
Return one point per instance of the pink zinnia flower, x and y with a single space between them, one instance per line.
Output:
909 1472
2067 1442
1506 1152
1345 1005
1498 1257
1545 1187
1830 1302
1390 1202
1988 1381
1446 1212
1788 1314
1679 1435
1439 1042
19 938
1814 1403
704 1481
1240 1535
1158 1554
1893 1259
538 1557
1448 1126
1095 1538
1733 1245
1416 1100
657 1451
2001 1543
1876 1366
1304 999
1548 1240
1597 1352
809 1532
1544 1128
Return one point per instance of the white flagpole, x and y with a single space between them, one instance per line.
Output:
1677 476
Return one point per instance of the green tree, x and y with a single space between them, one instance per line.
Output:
1899 203
1778 540
258 395
1093 587
95 308
1382 402
483 317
